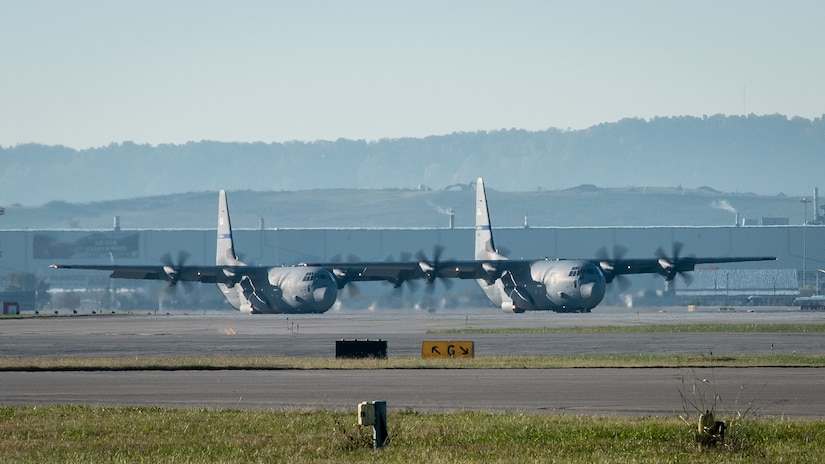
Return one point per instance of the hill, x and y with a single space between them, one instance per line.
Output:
585 205
766 155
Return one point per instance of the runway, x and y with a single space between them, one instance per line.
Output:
767 391
785 392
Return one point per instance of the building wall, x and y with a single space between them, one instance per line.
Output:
34 250
28 251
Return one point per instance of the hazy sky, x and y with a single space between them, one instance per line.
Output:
87 73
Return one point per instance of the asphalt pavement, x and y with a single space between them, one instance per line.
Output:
670 391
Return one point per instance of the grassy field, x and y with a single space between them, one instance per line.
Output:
93 434
159 435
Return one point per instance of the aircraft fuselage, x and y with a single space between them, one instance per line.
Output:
299 289
549 285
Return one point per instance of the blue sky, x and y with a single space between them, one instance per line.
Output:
89 73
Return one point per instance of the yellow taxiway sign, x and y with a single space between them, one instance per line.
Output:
451 349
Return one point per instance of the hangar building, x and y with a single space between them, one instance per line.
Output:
797 247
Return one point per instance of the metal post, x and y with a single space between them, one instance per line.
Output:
817 280
379 431
374 413
805 201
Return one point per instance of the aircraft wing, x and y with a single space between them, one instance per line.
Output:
399 272
667 267
393 272
490 270
205 274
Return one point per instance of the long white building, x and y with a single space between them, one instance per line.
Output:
800 248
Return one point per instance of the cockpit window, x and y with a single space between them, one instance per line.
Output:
313 276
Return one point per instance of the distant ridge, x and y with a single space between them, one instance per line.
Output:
766 155
586 205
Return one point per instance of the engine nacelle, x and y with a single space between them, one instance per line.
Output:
510 307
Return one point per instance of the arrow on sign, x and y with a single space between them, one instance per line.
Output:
447 349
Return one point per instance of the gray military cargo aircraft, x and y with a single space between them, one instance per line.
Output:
303 288
562 285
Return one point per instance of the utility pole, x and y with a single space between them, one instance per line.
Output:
2 212
805 202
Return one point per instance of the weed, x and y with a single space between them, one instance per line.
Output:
703 405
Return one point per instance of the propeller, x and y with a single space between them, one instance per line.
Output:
669 265
607 261
400 283
173 268
431 268
348 288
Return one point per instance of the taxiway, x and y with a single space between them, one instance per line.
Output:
768 391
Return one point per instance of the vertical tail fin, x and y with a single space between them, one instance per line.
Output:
225 254
493 287
485 247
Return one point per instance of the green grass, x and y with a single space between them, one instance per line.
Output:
481 362
644 329
94 434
